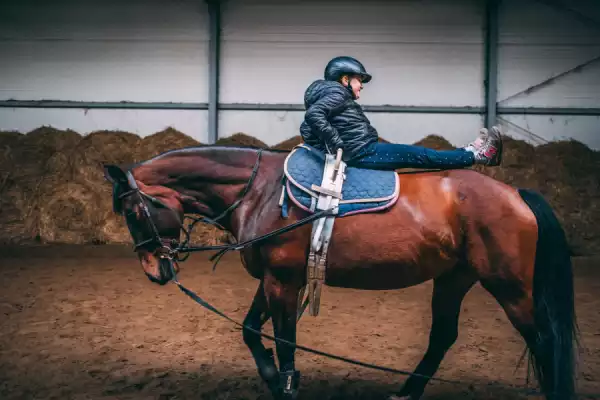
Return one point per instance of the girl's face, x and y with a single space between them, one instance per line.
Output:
355 84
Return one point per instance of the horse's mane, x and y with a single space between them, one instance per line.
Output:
199 148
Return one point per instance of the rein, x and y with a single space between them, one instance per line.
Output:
173 253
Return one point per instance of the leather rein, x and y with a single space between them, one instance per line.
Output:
172 249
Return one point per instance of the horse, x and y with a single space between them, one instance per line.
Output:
456 227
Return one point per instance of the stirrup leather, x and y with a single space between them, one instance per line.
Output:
330 194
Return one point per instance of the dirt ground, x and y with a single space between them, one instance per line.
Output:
85 323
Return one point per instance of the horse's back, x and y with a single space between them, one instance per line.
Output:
424 234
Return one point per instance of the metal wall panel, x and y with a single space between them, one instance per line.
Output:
538 42
141 122
420 52
150 50
539 129
273 127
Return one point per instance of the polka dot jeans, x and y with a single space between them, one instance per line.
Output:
394 156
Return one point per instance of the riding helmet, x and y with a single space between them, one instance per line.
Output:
345 65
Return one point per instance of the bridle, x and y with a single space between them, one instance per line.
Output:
171 248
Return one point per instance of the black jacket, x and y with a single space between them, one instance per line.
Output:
334 120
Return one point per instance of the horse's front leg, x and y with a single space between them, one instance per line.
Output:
282 296
256 317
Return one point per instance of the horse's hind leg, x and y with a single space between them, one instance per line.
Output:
256 317
449 291
519 307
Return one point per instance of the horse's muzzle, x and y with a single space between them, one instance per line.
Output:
166 270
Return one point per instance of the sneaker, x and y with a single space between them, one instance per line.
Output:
489 152
475 145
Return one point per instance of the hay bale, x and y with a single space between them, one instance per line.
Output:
70 215
34 168
8 141
207 235
567 173
95 150
99 148
289 144
518 166
53 189
165 140
241 139
9 138
435 142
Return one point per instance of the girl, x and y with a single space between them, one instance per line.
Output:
335 120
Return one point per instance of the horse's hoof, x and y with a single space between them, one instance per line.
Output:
290 382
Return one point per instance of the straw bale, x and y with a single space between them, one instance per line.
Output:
95 150
8 141
435 142
165 140
69 214
8 138
34 167
570 177
567 173
289 144
518 167
53 189
99 148
207 235
241 139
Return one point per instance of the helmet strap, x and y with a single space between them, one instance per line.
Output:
349 87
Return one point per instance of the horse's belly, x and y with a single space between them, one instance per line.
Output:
378 276
392 262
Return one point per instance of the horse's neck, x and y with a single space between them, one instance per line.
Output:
210 180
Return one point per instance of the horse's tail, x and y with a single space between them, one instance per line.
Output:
553 357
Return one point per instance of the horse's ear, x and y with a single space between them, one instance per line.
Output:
114 174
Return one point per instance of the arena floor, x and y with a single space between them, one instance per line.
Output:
85 323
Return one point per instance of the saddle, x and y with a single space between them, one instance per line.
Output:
315 181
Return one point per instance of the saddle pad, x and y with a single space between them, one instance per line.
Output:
364 190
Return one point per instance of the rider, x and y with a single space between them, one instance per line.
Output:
335 120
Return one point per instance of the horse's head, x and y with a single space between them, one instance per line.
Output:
154 221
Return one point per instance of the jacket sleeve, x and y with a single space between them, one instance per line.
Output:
317 116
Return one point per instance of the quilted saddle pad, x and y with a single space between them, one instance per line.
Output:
363 190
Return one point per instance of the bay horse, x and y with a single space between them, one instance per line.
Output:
455 227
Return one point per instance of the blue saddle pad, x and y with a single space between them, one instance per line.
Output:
363 190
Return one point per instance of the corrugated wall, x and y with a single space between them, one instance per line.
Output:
538 42
425 53
111 50
420 53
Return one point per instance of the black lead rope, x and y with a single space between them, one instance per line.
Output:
194 296
225 248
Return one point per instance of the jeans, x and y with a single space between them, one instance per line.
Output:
391 156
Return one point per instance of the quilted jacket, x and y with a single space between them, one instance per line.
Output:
334 120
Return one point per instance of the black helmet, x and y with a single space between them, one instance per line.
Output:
345 65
